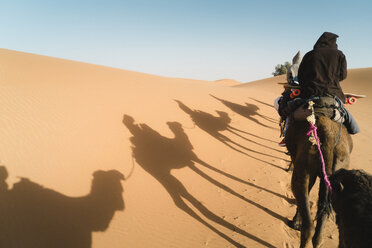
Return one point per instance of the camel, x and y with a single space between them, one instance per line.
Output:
352 202
336 146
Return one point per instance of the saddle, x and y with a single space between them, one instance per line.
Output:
328 106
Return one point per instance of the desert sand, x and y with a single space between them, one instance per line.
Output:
200 159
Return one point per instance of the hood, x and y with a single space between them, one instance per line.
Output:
326 40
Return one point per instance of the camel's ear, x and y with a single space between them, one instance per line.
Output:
341 187
297 58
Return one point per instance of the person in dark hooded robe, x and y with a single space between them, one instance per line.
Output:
321 71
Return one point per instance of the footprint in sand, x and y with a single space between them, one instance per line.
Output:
287 245
286 187
289 234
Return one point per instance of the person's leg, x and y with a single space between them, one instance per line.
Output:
350 123
276 103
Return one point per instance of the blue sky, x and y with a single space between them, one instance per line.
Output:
199 39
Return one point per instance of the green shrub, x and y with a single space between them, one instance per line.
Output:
281 69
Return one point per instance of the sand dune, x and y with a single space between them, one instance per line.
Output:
201 160
228 82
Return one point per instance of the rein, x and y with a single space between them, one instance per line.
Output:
314 136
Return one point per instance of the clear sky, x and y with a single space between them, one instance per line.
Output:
200 39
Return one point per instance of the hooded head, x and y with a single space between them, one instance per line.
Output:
326 40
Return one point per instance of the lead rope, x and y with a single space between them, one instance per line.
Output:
314 139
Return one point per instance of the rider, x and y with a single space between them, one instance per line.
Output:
321 71
280 103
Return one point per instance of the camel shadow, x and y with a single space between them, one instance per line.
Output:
248 111
254 135
263 103
158 155
215 125
36 217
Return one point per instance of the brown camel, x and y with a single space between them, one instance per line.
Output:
336 146
352 203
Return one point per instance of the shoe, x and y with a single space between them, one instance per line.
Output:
282 143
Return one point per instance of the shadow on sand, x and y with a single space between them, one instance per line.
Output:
32 216
248 110
263 103
158 155
215 125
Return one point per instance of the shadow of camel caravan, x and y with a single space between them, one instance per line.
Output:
215 125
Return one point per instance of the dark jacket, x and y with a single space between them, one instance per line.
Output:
283 108
322 69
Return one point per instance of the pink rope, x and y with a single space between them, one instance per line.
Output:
313 130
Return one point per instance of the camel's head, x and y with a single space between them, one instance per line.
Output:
347 184
107 186
128 120
106 197
223 115
292 72
174 126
